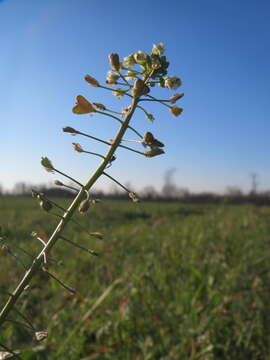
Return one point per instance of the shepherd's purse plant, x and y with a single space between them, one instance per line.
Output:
133 77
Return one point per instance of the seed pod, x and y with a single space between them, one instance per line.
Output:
82 106
176 97
91 81
58 183
114 61
99 106
77 147
47 164
45 205
153 152
70 130
175 110
150 140
84 206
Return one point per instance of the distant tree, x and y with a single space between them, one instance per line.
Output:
254 183
149 192
20 188
233 191
169 189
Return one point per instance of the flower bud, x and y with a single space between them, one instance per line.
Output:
158 49
133 196
91 81
155 62
140 57
176 97
175 110
129 61
99 106
150 117
112 77
172 82
84 206
45 205
114 61
70 130
83 106
47 164
153 152
77 147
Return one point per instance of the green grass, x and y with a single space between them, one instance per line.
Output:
172 282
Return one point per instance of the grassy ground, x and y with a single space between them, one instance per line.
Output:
172 282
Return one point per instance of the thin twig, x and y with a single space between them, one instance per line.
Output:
117 182
92 252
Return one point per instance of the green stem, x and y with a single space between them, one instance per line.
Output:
161 101
68 288
113 89
154 99
67 176
92 252
70 187
121 121
130 149
117 182
94 138
125 80
35 267
143 109
93 153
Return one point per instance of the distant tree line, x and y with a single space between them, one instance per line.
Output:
169 192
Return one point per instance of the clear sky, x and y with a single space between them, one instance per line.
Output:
220 49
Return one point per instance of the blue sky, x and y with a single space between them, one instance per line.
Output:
220 49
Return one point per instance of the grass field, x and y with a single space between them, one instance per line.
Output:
172 282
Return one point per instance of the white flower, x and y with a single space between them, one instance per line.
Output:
112 77
140 57
129 61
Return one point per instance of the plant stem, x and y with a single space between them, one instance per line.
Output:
93 153
117 182
36 264
152 98
69 177
121 121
